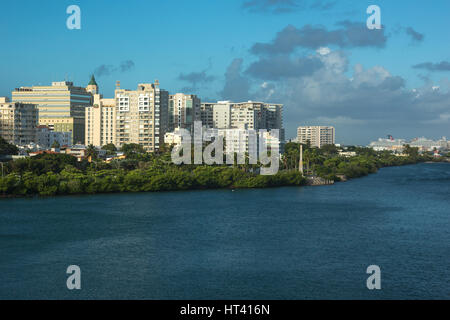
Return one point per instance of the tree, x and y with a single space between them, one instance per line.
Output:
110 148
412 152
7 148
91 152
56 145
132 149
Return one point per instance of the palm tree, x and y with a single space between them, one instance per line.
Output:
91 153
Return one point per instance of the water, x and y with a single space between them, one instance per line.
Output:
285 243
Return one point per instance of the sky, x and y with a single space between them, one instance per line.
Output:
317 57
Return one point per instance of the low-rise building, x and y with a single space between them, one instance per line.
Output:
46 137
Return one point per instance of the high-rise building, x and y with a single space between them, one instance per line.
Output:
61 106
142 116
18 122
317 136
242 115
101 122
184 109
222 115
206 114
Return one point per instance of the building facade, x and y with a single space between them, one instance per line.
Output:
206 114
184 109
317 136
18 122
46 137
61 106
242 115
142 116
101 122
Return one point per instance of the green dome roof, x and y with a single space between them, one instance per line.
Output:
92 82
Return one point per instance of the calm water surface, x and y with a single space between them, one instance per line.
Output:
285 243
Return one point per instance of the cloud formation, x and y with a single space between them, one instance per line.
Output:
108 69
415 36
349 35
286 6
441 66
372 101
236 86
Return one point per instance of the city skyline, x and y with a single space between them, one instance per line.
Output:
315 57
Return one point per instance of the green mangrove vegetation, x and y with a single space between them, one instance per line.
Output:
61 174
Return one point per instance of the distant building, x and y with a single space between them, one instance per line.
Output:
317 136
46 137
425 144
173 138
184 109
242 115
78 151
100 127
18 122
390 144
222 115
142 116
397 145
61 106
207 114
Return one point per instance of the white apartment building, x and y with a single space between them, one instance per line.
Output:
142 116
100 127
242 115
318 136
46 137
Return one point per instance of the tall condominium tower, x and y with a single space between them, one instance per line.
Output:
318 136
142 116
184 109
61 106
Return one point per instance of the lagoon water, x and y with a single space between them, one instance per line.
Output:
284 243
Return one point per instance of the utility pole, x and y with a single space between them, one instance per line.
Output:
300 161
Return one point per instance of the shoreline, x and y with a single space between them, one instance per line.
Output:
318 181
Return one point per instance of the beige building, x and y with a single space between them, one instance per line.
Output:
222 115
61 106
18 122
318 136
142 116
100 127
184 109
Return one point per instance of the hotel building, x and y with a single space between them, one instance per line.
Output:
142 116
18 122
101 122
61 106
318 136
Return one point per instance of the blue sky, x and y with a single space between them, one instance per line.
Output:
192 46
